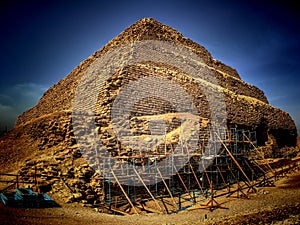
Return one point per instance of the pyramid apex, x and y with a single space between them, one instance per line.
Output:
148 20
149 23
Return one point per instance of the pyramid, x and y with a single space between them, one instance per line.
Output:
46 131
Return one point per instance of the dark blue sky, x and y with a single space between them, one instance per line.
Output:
42 41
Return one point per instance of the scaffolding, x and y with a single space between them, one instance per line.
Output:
220 162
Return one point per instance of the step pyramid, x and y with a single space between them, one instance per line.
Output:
48 128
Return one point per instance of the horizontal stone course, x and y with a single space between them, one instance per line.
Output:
44 136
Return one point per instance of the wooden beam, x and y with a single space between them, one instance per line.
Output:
196 178
260 154
185 187
128 199
212 203
155 201
173 200
111 208
234 160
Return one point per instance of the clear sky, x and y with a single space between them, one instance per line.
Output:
42 41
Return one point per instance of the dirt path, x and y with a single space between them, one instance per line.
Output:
280 200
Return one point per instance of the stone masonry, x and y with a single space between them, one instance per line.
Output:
43 137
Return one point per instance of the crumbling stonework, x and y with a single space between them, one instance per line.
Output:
246 104
43 136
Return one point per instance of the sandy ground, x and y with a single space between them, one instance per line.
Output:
274 205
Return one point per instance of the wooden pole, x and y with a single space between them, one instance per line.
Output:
128 199
196 178
185 187
173 200
223 179
148 189
234 160
210 204
261 155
